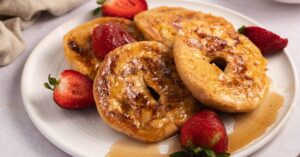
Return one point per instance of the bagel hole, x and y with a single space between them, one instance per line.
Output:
220 63
154 94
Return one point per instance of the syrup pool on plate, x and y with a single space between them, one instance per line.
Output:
249 126
246 128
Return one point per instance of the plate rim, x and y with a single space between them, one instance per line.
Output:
290 2
243 152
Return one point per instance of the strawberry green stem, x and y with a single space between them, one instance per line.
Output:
97 11
46 85
100 1
242 29
52 83
194 151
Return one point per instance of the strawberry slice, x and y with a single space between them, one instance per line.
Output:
203 135
267 41
107 37
123 8
72 91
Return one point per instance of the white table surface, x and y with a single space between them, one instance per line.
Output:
19 137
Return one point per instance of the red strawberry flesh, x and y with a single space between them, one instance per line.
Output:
267 41
74 91
205 130
123 8
107 37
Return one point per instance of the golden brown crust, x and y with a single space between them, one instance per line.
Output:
139 93
243 83
162 24
77 44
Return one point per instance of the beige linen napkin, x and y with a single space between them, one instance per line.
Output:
16 15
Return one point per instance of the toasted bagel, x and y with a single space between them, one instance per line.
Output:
162 24
77 44
139 93
220 67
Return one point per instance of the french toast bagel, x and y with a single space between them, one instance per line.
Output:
162 24
139 93
220 67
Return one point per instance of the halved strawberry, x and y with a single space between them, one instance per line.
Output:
72 91
123 8
203 135
267 41
107 37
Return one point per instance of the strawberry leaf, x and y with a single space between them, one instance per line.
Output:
52 81
97 11
197 150
194 150
100 1
180 154
241 30
209 153
46 85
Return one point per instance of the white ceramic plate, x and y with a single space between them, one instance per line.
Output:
289 1
83 133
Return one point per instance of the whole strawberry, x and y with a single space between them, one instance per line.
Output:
268 42
72 91
122 8
203 135
107 37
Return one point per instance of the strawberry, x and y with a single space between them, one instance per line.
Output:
107 37
122 8
203 135
72 91
268 42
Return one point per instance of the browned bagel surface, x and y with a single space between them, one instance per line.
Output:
220 67
77 44
139 93
162 24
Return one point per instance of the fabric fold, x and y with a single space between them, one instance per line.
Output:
22 14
